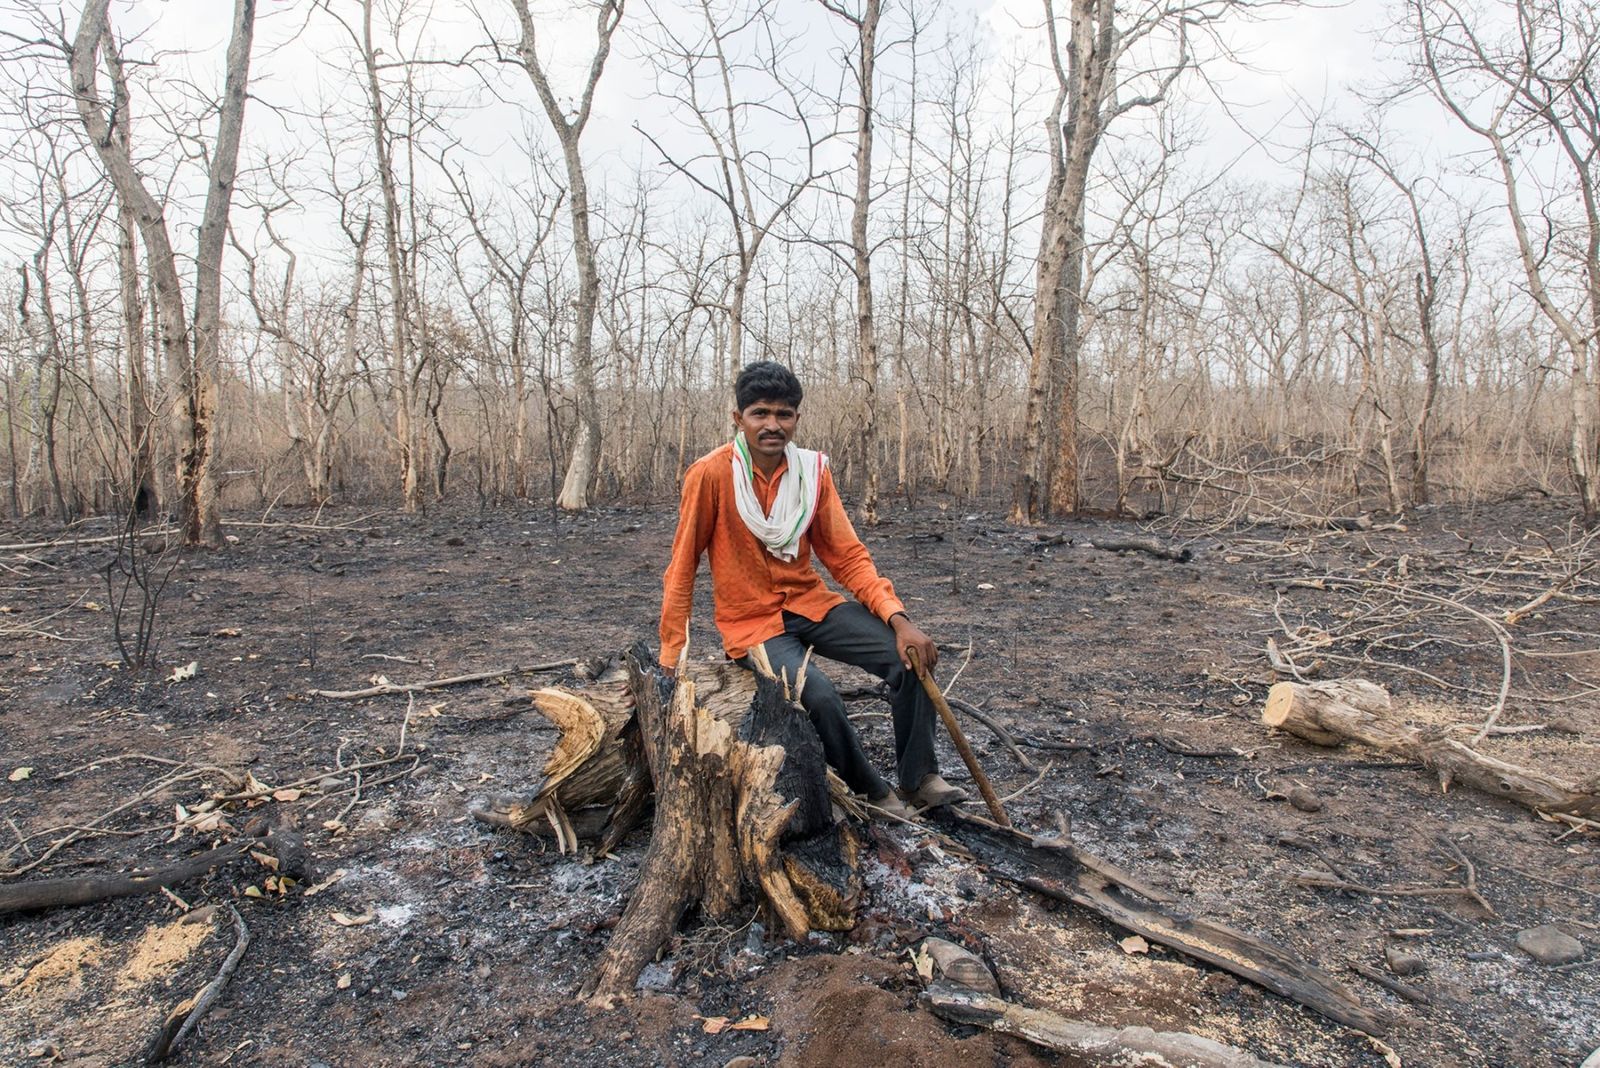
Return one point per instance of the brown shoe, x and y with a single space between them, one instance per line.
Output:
891 804
934 792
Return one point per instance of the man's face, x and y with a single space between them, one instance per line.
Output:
768 425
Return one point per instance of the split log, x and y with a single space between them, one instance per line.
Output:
1340 710
1089 1044
1055 868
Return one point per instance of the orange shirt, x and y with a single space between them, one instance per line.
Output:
751 587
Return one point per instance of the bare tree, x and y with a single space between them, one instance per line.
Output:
1094 88
585 461
1538 81
1427 280
730 89
190 349
865 24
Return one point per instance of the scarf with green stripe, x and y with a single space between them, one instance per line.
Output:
794 506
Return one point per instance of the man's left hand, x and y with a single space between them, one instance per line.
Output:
908 636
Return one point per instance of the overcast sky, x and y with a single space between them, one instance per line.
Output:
1253 113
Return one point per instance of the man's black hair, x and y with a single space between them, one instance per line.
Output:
766 381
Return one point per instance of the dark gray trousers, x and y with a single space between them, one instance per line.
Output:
853 635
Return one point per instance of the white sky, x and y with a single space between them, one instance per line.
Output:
1315 55
1309 58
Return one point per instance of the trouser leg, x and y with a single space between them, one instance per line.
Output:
853 635
820 698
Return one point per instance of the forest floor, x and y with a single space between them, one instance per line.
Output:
435 940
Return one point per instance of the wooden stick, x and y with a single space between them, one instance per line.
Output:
183 1020
436 684
990 798
1393 986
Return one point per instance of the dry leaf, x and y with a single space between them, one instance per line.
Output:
1134 944
208 822
252 891
346 920
266 860
286 795
985 585
343 982
752 1023
922 960
187 671
226 632
91 606
20 774
713 1025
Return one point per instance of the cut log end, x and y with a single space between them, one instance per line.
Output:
1305 709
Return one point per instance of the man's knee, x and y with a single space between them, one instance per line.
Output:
822 702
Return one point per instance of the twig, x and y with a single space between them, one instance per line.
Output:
1341 881
1574 966
355 799
99 539
75 833
435 684
998 731
91 765
1036 780
250 795
1178 748
1472 874
1394 987
965 660
405 724
163 1047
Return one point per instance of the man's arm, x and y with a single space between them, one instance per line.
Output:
834 540
696 514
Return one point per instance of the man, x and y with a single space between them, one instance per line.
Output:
761 506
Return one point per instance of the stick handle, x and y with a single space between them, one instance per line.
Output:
960 740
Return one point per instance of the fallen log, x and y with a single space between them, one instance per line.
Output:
1089 1044
1149 546
1336 711
1055 868
282 844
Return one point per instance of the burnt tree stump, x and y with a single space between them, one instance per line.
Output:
743 806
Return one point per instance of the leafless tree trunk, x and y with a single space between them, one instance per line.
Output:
191 356
866 27
585 461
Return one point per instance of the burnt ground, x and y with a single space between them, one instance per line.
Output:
468 943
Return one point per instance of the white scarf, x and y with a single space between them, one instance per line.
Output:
795 504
